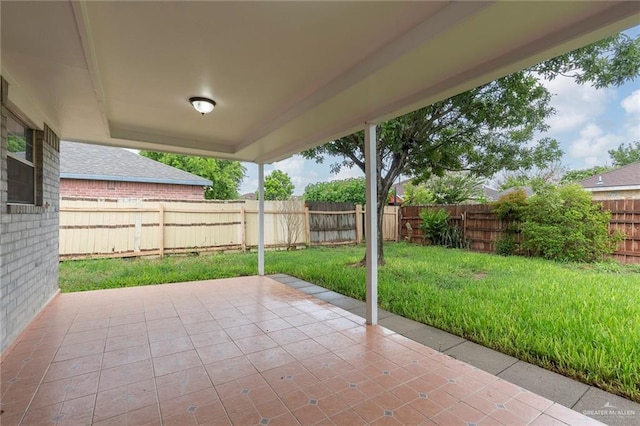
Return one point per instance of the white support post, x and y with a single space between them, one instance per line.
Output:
261 219
371 225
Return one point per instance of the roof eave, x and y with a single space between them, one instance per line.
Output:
136 179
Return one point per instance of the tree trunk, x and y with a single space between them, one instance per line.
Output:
381 260
380 207
384 183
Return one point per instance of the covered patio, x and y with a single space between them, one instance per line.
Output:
244 351
284 76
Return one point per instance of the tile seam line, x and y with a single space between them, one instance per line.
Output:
582 396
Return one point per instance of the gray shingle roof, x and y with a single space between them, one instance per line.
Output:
491 193
95 162
628 175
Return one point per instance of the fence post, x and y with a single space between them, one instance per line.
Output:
161 229
358 224
243 230
137 230
307 227
463 216
397 227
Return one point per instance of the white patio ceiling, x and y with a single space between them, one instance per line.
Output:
286 75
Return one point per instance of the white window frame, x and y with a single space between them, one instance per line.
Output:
31 164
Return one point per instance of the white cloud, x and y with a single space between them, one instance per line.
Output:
302 173
592 145
575 104
631 104
299 171
632 130
589 122
347 173
250 186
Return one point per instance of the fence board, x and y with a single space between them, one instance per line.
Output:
625 217
122 228
332 222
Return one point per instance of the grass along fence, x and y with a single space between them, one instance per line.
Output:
94 228
481 227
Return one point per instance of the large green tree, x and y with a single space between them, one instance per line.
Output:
278 186
457 187
226 175
486 129
450 188
337 191
535 178
625 154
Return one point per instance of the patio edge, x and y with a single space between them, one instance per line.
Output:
586 399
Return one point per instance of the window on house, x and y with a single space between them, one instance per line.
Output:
20 162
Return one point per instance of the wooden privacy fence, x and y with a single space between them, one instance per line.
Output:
92 228
481 227
625 216
343 223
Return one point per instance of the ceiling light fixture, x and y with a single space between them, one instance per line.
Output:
202 105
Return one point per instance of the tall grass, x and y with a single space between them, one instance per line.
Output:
581 321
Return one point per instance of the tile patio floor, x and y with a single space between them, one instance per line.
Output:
242 351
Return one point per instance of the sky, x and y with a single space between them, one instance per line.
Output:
588 122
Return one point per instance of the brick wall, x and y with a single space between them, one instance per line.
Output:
111 189
28 238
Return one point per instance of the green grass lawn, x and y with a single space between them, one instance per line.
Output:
579 320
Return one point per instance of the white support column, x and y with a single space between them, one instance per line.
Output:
371 225
261 219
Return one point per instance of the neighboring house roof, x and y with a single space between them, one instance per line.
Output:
491 193
626 177
399 187
395 200
95 162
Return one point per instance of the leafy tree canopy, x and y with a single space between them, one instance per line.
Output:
536 177
450 188
609 62
337 191
624 155
278 186
16 143
226 175
456 188
417 195
486 129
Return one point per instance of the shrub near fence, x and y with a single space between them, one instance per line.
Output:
479 224
92 228
482 228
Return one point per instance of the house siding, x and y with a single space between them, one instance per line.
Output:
28 238
119 189
630 194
